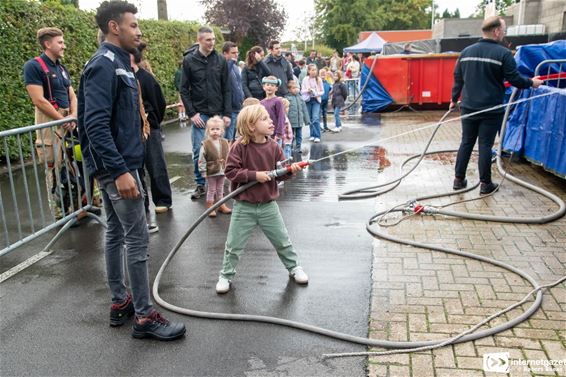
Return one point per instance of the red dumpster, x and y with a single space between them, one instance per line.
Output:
416 79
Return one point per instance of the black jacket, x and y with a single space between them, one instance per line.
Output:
152 96
204 84
480 73
281 69
251 80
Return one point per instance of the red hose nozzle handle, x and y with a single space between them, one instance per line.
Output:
286 170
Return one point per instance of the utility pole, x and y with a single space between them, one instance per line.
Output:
432 12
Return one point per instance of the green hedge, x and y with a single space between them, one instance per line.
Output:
19 21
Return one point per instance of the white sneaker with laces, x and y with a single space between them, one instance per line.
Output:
299 275
311 138
223 285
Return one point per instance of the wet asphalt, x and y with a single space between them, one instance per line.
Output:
54 314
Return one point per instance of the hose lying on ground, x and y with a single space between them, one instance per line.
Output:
377 342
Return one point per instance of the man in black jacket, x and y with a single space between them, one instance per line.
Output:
279 67
479 76
205 92
154 161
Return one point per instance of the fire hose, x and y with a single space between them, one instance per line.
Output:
398 346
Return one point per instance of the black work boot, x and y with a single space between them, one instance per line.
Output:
460 183
488 188
157 327
119 313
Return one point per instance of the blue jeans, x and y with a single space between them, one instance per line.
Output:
127 230
230 133
324 112
313 107
298 137
353 87
337 119
157 168
287 151
197 136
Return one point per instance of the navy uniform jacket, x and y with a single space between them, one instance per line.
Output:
480 73
58 77
109 119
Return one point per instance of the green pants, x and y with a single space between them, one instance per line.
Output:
245 217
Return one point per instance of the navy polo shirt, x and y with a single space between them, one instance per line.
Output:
58 76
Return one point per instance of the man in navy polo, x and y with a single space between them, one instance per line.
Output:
48 84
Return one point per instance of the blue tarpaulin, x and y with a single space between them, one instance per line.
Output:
536 129
529 56
374 97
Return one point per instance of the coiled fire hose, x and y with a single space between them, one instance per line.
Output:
397 345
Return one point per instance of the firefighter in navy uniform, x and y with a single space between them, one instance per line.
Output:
48 84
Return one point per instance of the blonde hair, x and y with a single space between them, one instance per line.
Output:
310 66
250 101
214 121
247 118
286 102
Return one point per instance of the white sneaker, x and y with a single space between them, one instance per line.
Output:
223 285
152 228
337 129
299 275
311 138
316 140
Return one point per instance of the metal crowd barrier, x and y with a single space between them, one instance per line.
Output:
25 210
550 64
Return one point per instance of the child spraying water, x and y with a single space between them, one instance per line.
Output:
250 159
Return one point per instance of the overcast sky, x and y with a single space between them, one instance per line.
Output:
296 10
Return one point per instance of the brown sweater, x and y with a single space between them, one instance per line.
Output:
243 163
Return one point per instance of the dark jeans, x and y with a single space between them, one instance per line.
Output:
482 128
126 232
298 137
324 112
157 169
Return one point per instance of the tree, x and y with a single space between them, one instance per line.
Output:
406 14
340 21
162 9
500 6
255 21
447 14
74 3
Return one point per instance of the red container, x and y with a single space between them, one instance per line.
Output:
416 79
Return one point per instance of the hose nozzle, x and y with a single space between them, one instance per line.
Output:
287 169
